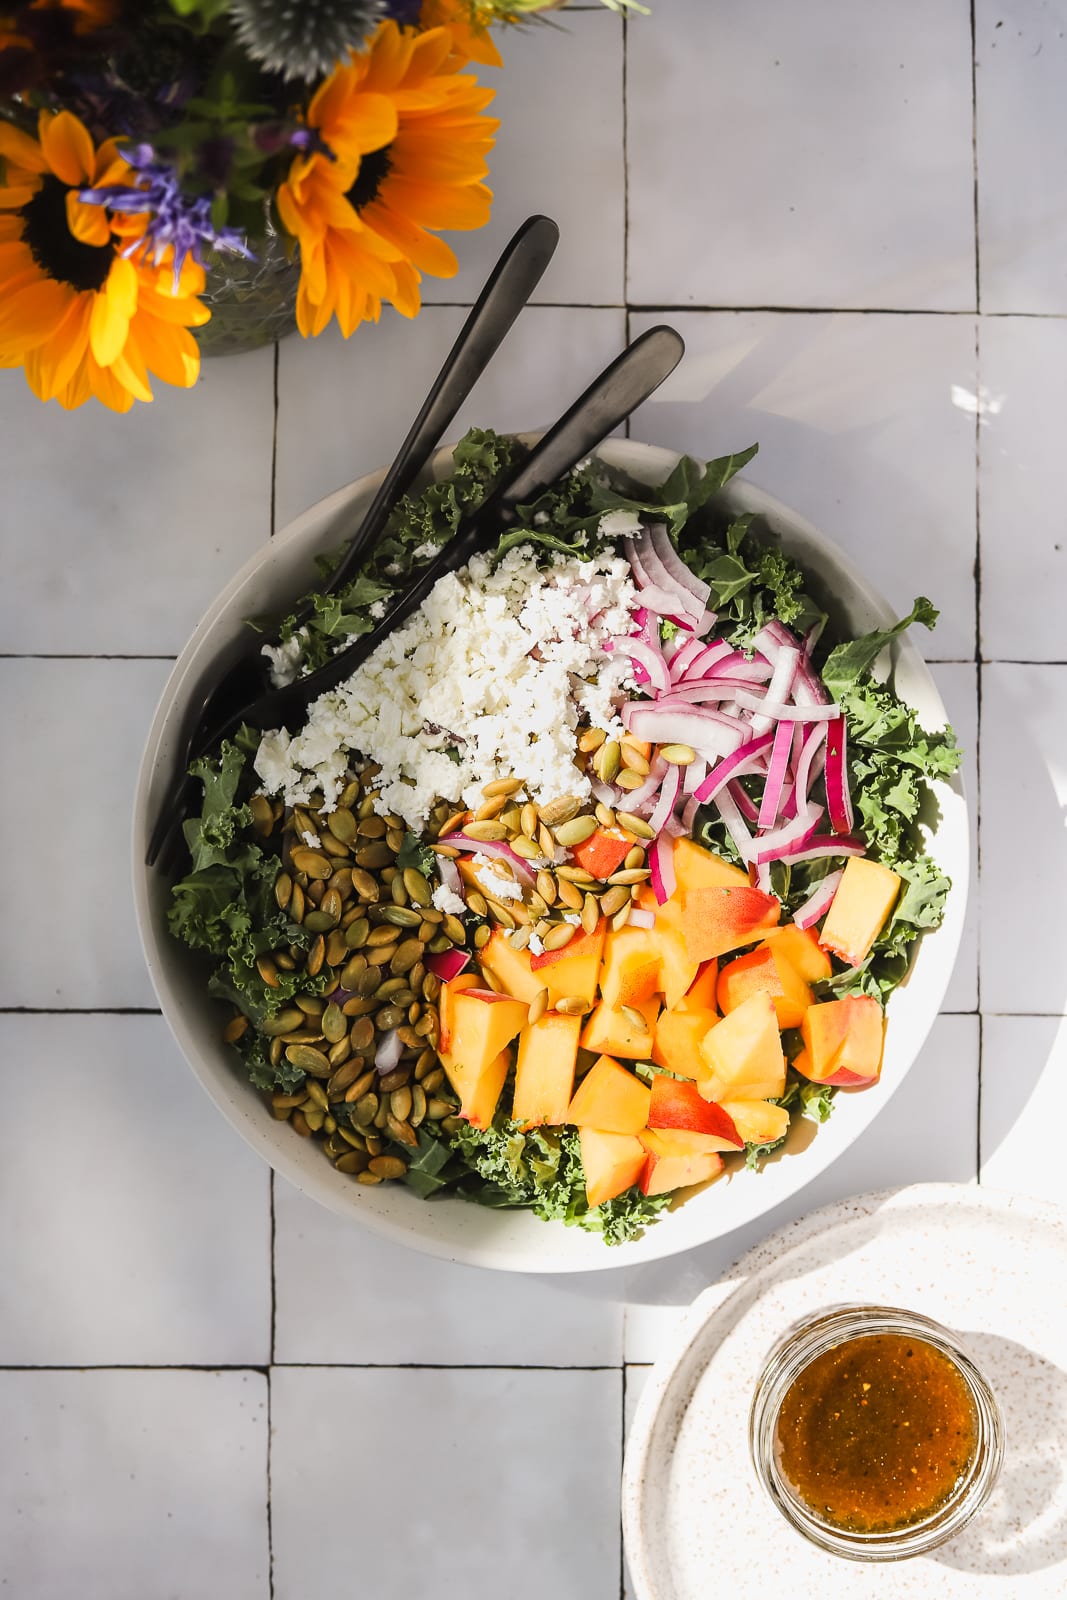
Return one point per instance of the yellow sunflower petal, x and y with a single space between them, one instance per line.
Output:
58 358
68 148
436 207
129 369
424 250
17 147
388 60
10 229
368 123
14 196
77 391
429 53
406 297
107 388
87 223
170 352
108 329
30 315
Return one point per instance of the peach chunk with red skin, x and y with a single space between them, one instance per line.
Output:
613 1033
843 1042
723 918
678 1104
679 1035
631 970
677 1159
574 969
483 1025
766 968
510 967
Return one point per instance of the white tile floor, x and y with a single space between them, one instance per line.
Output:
800 192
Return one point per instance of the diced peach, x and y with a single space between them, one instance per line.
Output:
510 967
843 1042
858 911
677 968
479 1091
465 980
758 1121
720 919
612 1033
612 1162
678 1039
603 852
743 1054
485 1023
697 868
575 969
802 950
680 1105
630 972
765 968
610 1098
701 994
544 1070
677 1159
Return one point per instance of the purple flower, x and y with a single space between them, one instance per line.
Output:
174 219
406 12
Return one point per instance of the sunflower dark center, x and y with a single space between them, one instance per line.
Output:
55 249
373 171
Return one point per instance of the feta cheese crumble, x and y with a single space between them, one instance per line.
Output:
448 901
492 881
489 679
285 658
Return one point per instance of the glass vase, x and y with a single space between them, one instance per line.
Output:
253 303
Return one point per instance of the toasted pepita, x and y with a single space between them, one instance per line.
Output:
538 1007
312 863
576 831
635 825
558 935
307 1059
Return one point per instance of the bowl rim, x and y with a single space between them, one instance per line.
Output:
659 1240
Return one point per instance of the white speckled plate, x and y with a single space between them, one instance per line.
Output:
991 1266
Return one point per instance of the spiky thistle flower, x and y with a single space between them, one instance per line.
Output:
303 38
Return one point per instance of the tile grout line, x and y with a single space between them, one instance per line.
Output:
305 1366
274 446
622 1460
974 160
978 686
270 1491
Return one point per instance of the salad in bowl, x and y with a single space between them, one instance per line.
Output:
601 873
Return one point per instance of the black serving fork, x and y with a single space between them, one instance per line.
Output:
608 401
507 289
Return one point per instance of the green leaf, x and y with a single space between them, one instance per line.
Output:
848 661
413 853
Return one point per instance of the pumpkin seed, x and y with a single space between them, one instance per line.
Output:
317 1094
384 934
519 938
362 1035
353 1161
419 891
558 935
235 1029
417 1114
571 896
487 832
546 888
394 838
364 885
591 740
312 863
475 902
342 824
538 1007
316 957
356 934
371 826
307 1059
400 1104
389 1017
283 890
333 848
491 808
351 1138
568 834
388 1166
334 1024
575 875
454 820
504 786
501 914
368 1178
284 961
402 1132
397 890
319 922
635 858
614 900
401 916
397 1079
634 1018
336 949
629 780
312 1005
528 819
526 848
635 825
284 1022
288 1101
267 971
348 1073
607 761
634 761
365 1111
375 855
621 918
590 914
453 929
573 1005
436 1110
439 944
431 988
262 815
300 1123
604 815
340 1051
630 875
482 936
679 755
361 1005
406 956
332 904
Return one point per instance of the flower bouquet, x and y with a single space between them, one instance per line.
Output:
143 142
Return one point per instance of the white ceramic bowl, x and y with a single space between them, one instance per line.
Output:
455 1229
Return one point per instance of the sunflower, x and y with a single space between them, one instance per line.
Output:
470 28
397 147
76 311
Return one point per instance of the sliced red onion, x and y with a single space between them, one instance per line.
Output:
707 658
660 541
650 573
779 688
743 801
693 775
695 726
818 901
703 624
781 750
685 657
448 873
603 792
689 813
493 847
650 659
673 826
777 711
638 798
763 877
390 1049
641 918
735 825
661 863
708 690
813 635
742 761
736 665
448 964
838 799
784 841
668 798
808 762
823 845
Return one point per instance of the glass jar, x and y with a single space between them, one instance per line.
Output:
793 1354
253 303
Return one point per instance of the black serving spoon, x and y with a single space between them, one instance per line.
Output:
608 401
507 289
